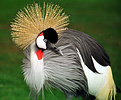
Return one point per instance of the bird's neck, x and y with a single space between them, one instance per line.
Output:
37 68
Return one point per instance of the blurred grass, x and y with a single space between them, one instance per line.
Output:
99 18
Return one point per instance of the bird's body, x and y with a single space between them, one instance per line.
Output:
66 59
69 72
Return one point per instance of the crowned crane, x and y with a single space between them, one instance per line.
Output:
55 56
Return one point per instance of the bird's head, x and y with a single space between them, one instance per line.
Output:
47 40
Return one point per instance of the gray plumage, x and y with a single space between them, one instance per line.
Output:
66 72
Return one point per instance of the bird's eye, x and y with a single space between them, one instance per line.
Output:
45 40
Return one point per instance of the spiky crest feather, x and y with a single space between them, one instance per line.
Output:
29 23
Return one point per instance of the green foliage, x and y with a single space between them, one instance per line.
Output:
98 18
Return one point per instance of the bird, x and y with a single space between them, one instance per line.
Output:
59 57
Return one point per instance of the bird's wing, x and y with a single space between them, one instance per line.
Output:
65 71
88 48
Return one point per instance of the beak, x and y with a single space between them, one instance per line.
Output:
57 50
54 48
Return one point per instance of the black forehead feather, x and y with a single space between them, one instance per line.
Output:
51 35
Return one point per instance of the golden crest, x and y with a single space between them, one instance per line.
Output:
29 23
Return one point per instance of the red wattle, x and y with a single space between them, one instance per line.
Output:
39 54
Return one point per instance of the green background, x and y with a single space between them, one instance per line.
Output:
101 19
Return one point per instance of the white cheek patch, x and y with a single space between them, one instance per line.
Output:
40 42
